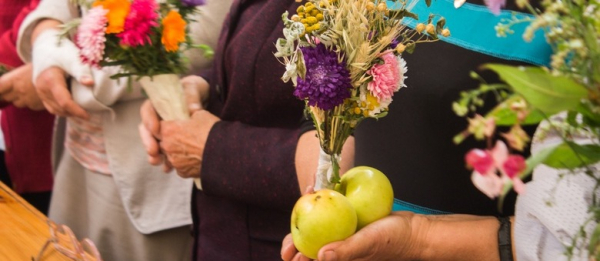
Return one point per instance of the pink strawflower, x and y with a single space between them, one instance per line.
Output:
139 22
388 77
90 36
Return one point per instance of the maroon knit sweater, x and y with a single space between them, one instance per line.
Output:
248 171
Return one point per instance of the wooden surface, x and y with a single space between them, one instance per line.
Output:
23 230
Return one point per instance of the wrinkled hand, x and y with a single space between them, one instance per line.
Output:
196 93
51 87
149 129
183 142
390 238
17 88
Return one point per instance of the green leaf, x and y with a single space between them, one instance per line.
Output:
381 115
3 69
208 51
410 48
594 241
538 158
440 25
570 155
505 116
399 14
589 117
550 94
430 18
459 138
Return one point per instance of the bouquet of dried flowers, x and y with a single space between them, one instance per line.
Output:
146 39
344 59
564 97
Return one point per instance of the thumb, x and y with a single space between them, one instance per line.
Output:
192 97
349 249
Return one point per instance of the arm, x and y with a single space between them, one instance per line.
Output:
408 236
16 86
259 171
50 81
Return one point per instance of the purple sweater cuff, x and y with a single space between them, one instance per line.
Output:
251 164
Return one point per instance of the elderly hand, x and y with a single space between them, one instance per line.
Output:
390 238
196 94
183 142
17 88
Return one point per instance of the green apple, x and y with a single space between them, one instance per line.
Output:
320 218
370 193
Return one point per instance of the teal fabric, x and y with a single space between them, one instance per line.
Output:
482 38
400 205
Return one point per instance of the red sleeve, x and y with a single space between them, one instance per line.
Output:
8 39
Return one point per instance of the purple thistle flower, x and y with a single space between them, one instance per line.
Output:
394 43
193 2
327 82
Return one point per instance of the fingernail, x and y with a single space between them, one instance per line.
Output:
329 256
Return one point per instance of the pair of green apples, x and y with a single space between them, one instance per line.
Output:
364 195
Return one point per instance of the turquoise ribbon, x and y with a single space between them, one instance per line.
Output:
482 38
400 205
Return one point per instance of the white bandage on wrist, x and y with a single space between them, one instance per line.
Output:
49 50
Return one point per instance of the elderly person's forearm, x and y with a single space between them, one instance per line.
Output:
460 237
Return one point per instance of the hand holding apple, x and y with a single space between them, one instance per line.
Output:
364 195
320 218
370 193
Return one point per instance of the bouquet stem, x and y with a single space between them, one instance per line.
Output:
167 97
328 171
333 131
166 94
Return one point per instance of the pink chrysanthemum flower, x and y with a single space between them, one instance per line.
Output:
388 77
139 23
91 36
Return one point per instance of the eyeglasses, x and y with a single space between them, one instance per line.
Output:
64 241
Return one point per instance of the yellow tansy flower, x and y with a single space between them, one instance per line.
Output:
173 31
117 12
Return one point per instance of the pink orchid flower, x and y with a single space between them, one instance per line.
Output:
495 5
488 163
